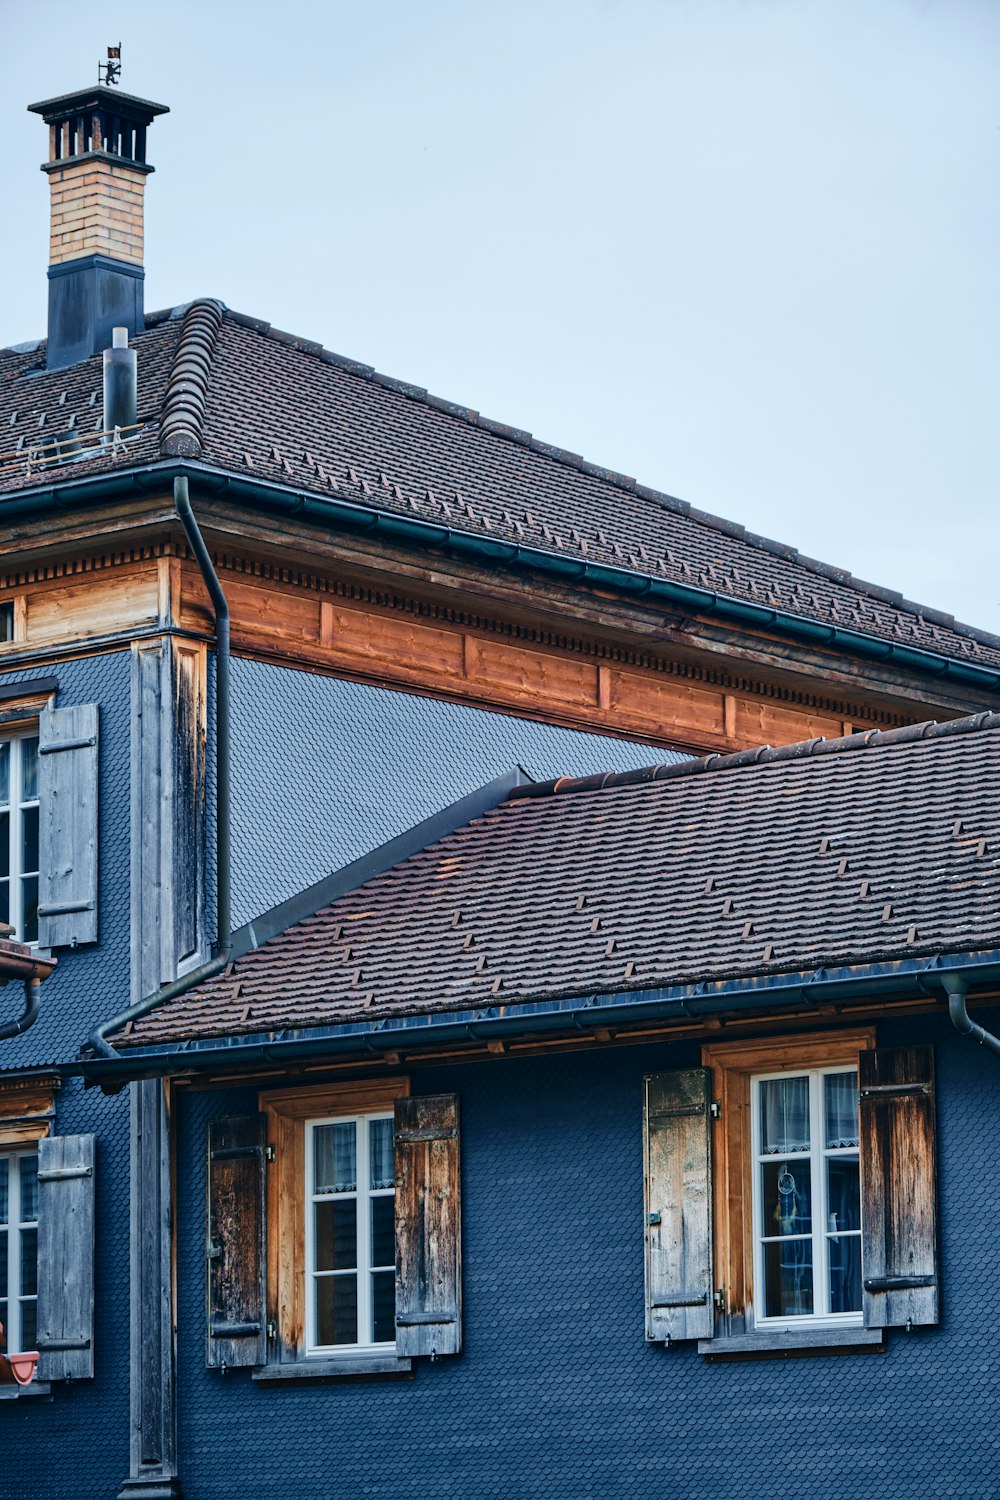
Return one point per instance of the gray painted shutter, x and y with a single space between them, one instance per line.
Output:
66 1257
678 1185
236 1241
898 1191
67 832
428 1226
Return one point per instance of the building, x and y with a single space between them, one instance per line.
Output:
274 623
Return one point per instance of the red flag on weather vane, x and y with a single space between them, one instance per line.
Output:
110 72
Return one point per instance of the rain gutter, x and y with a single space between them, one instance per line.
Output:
956 988
815 987
290 501
222 949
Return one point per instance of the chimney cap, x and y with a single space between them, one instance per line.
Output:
98 96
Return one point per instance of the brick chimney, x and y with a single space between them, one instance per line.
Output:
97 171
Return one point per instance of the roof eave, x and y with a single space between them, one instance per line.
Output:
623 581
763 993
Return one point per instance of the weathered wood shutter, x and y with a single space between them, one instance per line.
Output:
898 1187
428 1226
66 1257
678 1193
237 1154
67 830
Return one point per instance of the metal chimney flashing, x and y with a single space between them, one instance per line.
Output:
87 299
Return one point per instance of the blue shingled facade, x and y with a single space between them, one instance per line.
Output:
76 1442
324 770
557 1395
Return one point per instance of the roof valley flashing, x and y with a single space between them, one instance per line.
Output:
97 171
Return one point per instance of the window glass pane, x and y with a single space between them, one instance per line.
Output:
29 1187
336 1310
4 845
29 768
5 901
383 1307
784 1115
383 1231
843 1193
29 903
3 1263
29 1324
4 1188
381 1151
29 1262
845 1272
787 1197
337 1235
4 772
3 1311
29 840
788 1281
841 1091
335 1157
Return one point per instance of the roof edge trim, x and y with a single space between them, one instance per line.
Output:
623 580
581 1012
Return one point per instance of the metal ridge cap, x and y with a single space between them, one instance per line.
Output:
580 1011
629 581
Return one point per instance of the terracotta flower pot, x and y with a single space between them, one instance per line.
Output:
18 1369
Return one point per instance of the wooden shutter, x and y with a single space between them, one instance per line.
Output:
898 1192
678 1190
66 1257
67 799
428 1227
237 1154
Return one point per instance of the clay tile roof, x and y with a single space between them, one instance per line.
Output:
237 394
853 851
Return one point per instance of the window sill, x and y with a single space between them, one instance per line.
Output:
358 1367
37 1388
768 1344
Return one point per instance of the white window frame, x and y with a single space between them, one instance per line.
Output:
819 1236
363 1272
15 1226
17 805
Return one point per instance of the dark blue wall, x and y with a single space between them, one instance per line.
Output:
557 1395
325 771
76 1443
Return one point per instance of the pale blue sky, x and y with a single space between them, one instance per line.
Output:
743 249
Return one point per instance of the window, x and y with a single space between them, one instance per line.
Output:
350 1237
46 1236
19 835
334 1238
790 1194
807 1198
19 1248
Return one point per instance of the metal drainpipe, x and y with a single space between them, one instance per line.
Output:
956 987
223 847
28 1017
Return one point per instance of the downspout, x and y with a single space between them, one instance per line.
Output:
956 987
28 1017
222 948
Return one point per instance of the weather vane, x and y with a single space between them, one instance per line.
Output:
111 71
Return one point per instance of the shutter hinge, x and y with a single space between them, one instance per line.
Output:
272 1329
269 1152
653 1217
719 1298
715 1109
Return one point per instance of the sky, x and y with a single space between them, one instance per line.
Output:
744 250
